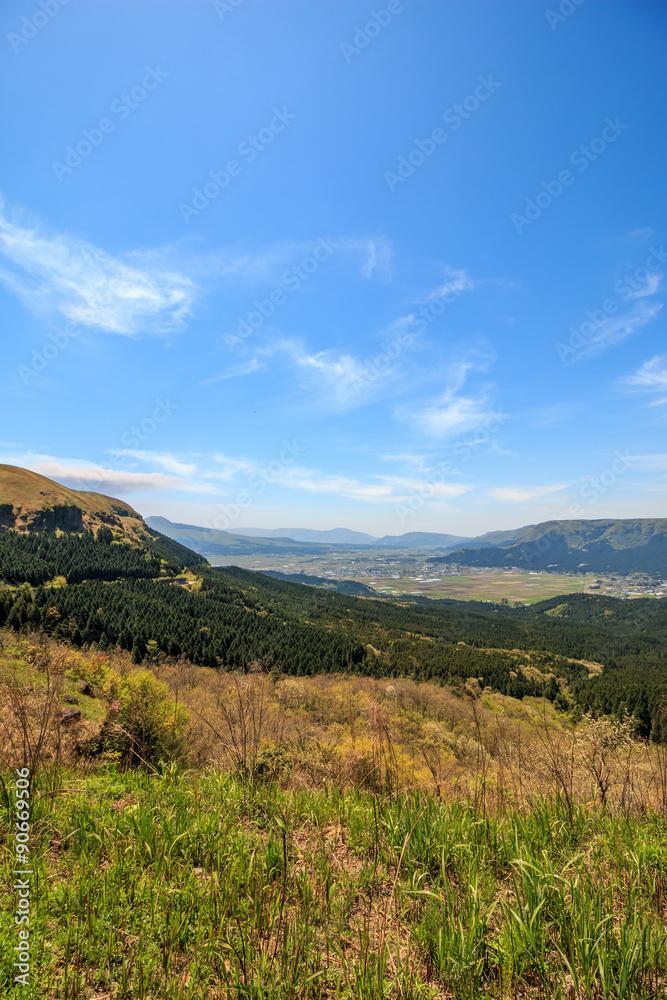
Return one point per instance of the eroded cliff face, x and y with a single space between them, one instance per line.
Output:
63 517
59 517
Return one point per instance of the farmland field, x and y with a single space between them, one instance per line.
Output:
488 586
393 573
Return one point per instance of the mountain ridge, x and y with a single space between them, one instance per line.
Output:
213 541
622 545
217 542
332 536
420 540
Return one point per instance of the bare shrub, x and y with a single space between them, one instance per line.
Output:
30 713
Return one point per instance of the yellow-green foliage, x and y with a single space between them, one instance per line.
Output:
95 669
147 724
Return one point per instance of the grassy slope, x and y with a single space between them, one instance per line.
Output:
163 887
307 884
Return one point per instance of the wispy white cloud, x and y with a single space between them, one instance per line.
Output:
246 473
554 414
226 468
89 476
522 494
223 475
651 377
378 257
410 457
436 487
651 285
456 281
650 463
616 329
267 265
152 291
384 489
60 273
495 447
314 481
241 471
249 367
452 412
642 235
344 375
97 479
263 264
167 461
339 380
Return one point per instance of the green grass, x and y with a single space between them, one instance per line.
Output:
172 886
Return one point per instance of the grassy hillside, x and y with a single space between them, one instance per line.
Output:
169 886
302 839
232 618
30 502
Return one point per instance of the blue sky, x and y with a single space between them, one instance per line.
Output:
393 267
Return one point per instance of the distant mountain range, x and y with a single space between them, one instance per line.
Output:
32 503
334 536
633 545
344 536
610 545
279 541
212 543
420 540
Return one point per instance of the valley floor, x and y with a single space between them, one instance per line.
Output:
393 573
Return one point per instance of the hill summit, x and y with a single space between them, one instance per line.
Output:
42 522
30 502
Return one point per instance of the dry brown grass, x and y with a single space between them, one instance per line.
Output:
385 734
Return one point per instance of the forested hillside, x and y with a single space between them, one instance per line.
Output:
121 590
35 558
233 618
340 586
